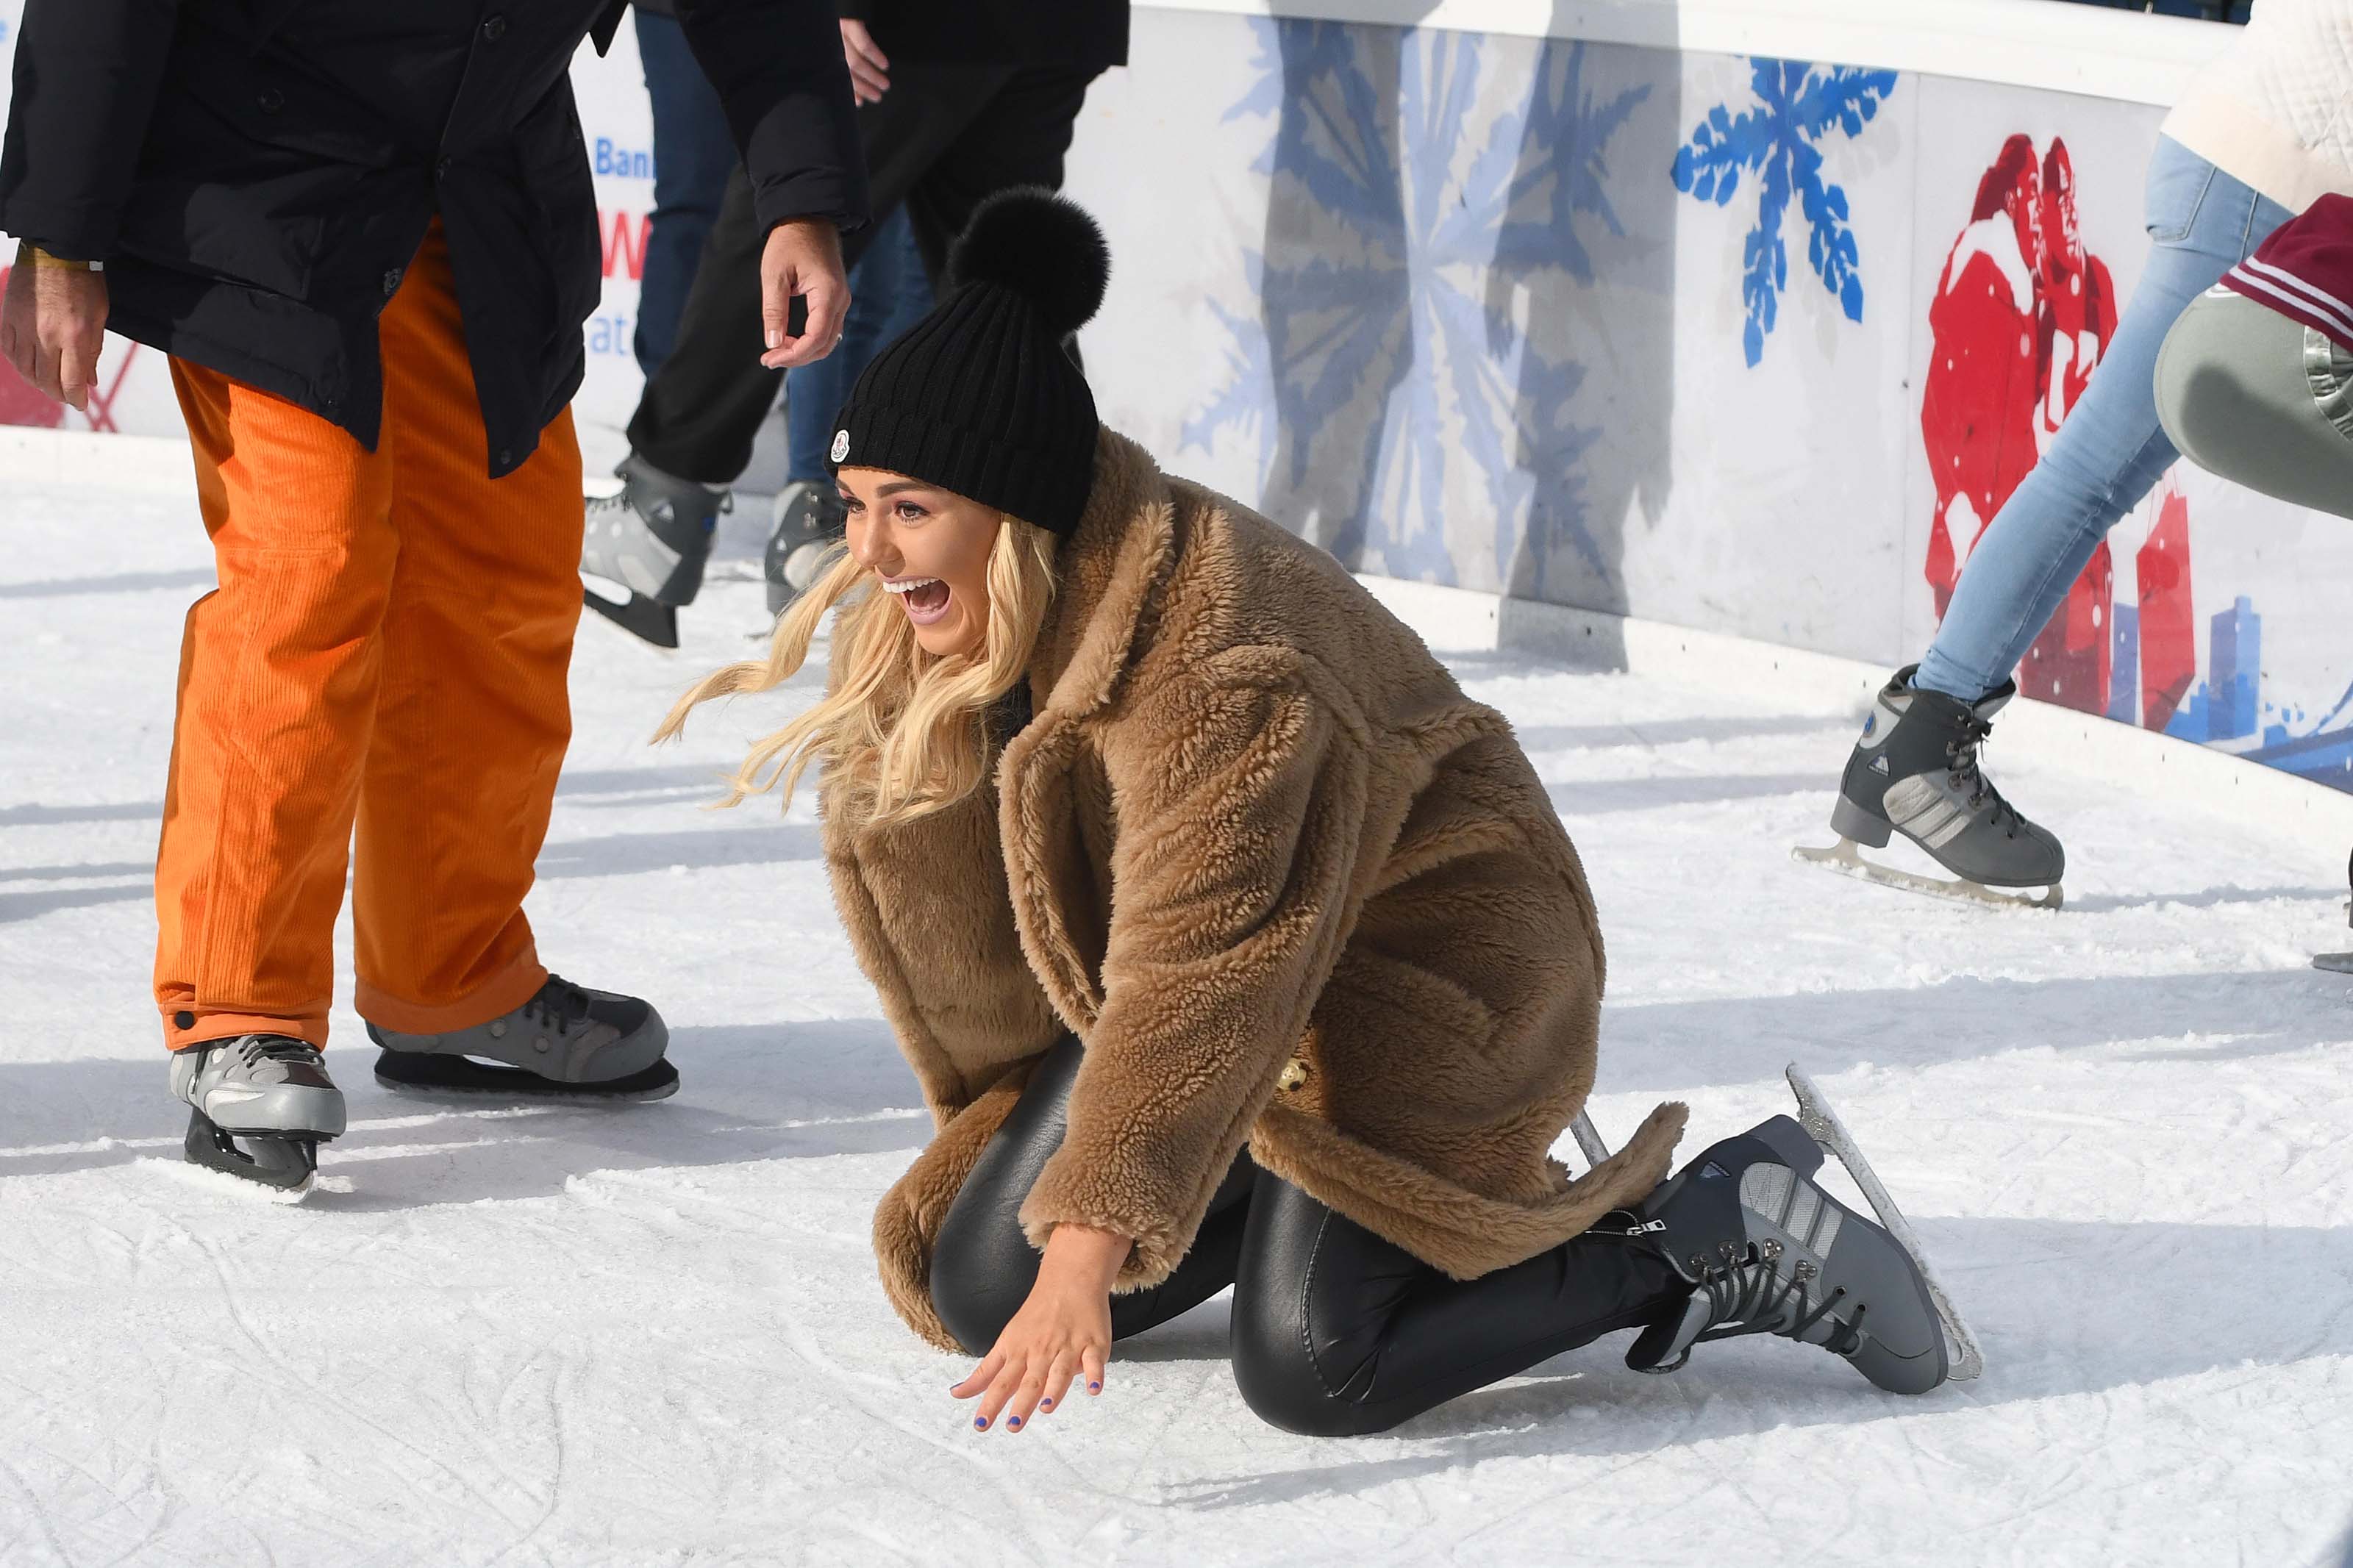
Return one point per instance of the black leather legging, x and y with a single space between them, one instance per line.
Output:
1336 1332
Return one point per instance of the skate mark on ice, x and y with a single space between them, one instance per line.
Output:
236 1189
640 786
15 906
121 583
1668 1047
37 815
88 873
321 1396
1584 797
2064 1308
753 1092
1654 734
628 854
37 1511
2207 899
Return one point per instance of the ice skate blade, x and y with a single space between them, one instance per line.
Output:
1588 1142
1822 1125
2339 963
281 1161
643 619
427 1076
1846 858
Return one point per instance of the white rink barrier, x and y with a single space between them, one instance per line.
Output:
1462 620
1743 315
2143 762
1746 315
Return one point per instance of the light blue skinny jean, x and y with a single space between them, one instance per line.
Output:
2111 450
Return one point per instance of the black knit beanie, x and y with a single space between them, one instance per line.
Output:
979 396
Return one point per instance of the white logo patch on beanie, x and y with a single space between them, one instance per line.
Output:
840 445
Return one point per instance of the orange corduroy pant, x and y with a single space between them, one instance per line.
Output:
387 648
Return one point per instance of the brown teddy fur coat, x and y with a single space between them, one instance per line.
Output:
1288 885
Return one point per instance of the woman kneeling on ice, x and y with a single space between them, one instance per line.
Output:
1230 942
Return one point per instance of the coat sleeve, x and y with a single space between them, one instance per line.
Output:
777 67
86 77
1240 804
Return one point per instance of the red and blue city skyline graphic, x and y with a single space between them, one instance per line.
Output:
2022 315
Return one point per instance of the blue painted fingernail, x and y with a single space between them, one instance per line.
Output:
1095 1388
981 1422
1045 1404
1014 1422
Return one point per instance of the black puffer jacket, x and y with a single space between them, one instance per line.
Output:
1089 33
256 174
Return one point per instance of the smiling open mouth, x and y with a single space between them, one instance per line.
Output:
925 598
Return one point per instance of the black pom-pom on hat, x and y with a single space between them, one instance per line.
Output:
1043 248
981 397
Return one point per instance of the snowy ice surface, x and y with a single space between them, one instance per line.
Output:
654 1336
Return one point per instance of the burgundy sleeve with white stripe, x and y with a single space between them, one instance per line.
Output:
2304 270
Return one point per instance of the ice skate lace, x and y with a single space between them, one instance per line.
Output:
253 1050
560 1005
1747 1295
1961 757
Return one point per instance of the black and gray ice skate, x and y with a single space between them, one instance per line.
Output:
1915 771
566 1043
810 521
653 538
259 1106
1767 1251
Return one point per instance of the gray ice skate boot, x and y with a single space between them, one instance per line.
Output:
653 537
810 522
1916 771
1769 1252
258 1106
566 1043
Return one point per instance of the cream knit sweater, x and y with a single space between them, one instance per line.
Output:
2276 110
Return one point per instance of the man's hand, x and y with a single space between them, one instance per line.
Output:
869 73
1062 1331
53 323
803 256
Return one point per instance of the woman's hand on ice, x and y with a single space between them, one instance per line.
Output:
1062 1331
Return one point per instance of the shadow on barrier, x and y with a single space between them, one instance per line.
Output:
1467 295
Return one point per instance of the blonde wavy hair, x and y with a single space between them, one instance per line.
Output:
904 733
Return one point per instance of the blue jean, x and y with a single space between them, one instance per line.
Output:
2110 450
694 155
889 292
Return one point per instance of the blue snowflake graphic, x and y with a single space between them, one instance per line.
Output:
1799 105
1413 198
